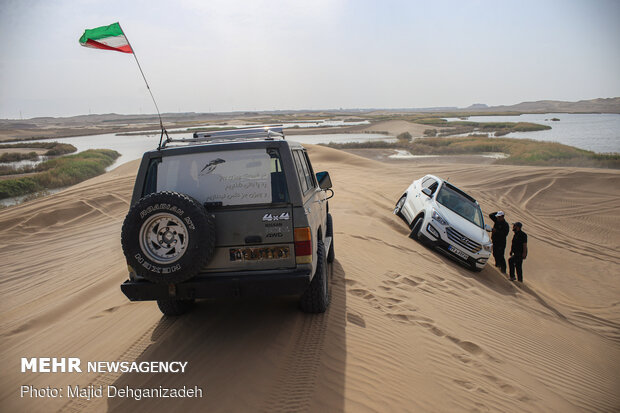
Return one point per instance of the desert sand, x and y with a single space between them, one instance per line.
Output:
408 330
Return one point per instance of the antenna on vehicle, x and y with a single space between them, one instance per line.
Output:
113 37
161 123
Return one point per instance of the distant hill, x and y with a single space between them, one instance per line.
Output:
609 105
113 120
477 106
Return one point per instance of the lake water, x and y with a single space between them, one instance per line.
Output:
132 147
594 132
306 124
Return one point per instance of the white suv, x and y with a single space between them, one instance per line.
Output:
446 217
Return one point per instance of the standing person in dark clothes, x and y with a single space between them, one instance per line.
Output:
518 252
498 236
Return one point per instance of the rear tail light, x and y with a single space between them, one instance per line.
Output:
303 245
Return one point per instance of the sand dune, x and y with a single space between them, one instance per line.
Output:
407 330
396 127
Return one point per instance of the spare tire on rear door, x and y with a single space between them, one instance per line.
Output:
168 237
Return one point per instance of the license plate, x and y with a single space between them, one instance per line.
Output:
259 254
457 252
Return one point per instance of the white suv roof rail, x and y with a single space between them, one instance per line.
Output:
263 132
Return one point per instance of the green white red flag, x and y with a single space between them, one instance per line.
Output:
107 38
112 38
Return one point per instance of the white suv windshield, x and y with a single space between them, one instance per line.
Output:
239 177
457 203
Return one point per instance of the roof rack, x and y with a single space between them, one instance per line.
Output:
263 132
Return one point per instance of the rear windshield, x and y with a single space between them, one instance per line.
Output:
240 177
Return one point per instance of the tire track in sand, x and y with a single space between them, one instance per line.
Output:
131 354
294 388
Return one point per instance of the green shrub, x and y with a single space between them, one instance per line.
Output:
520 151
60 172
10 170
18 156
53 149
460 127
528 127
431 121
16 187
405 137
361 145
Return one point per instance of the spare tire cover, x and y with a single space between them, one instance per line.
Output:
167 237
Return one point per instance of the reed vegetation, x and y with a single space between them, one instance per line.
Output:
53 149
519 151
60 172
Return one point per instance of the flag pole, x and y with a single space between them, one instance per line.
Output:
161 123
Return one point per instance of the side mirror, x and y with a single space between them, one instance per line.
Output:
487 228
427 192
325 182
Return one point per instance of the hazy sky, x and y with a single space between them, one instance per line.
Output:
223 55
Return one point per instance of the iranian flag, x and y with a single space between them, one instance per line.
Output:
107 38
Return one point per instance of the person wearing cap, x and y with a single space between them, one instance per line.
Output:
518 252
498 236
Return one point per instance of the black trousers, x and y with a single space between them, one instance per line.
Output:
515 263
498 254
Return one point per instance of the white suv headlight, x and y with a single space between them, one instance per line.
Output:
488 247
437 217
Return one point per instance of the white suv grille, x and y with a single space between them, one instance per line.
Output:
462 240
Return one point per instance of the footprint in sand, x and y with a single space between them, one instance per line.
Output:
506 388
360 292
462 358
392 274
350 282
411 282
468 346
356 319
465 384
402 318
433 329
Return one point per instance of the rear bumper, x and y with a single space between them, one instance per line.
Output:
217 285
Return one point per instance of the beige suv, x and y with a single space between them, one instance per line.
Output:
228 214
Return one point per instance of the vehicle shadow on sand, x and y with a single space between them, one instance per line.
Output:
248 355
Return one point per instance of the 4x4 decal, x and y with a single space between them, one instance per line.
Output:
282 217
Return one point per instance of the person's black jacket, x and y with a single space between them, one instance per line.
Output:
501 230
519 239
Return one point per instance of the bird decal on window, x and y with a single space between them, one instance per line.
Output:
209 167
